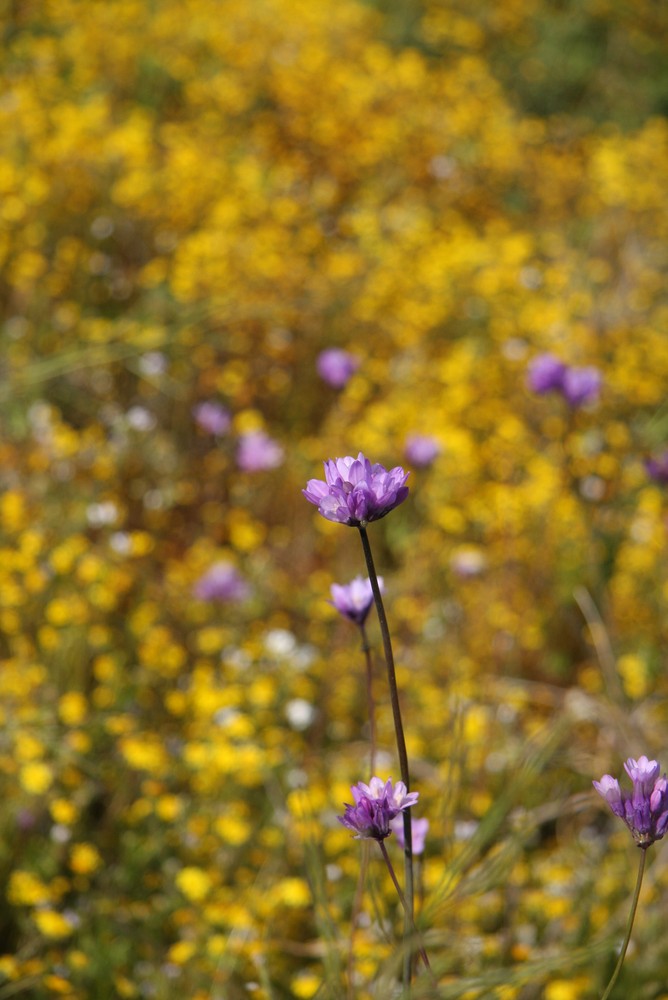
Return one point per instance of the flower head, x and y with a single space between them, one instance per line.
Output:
353 600
581 385
212 418
645 809
257 451
421 449
221 583
657 468
376 805
546 372
354 491
336 366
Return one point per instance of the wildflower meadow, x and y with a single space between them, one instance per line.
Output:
334 500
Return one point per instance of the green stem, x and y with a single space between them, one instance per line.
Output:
366 649
629 925
401 749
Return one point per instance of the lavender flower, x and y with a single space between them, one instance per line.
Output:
257 452
577 385
420 828
335 366
221 583
657 468
354 600
645 810
546 372
421 449
355 491
581 385
212 418
376 805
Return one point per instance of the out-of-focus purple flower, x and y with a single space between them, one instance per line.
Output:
26 820
419 827
354 600
578 385
421 449
336 366
376 805
355 491
657 468
581 385
545 372
212 418
257 451
222 582
645 809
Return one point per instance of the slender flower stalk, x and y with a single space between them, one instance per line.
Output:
629 926
401 745
371 704
353 601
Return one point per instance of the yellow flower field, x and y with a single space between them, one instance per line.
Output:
198 198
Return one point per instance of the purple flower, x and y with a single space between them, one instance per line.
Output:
581 385
212 418
578 385
546 372
376 805
657 468
257 451
354 600
421 449
355 491
419 828
645 809
221 583
335 366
